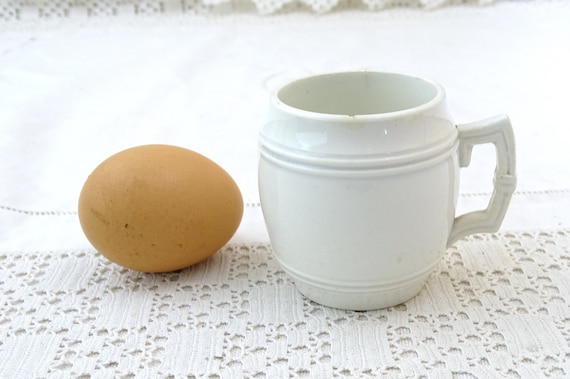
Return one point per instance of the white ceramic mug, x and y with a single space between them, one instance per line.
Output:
359 178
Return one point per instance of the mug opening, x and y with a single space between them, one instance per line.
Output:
359 93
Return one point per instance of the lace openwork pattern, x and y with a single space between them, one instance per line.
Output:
495 307
38 9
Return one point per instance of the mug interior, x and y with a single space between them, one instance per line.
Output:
358 93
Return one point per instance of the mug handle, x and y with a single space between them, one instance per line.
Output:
498 131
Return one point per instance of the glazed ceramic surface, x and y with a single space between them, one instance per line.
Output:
359 178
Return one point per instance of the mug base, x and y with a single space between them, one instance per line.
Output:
359 295
361 301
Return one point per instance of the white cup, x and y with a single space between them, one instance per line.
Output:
359 179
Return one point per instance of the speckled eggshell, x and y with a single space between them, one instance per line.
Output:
159 208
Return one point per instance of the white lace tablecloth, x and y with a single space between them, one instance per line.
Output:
76 89
34 9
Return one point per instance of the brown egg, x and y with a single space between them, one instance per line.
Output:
159 208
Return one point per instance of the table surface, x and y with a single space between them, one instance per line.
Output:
75 90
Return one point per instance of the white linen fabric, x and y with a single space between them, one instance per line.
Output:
75 89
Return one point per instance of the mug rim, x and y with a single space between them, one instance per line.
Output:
321 116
